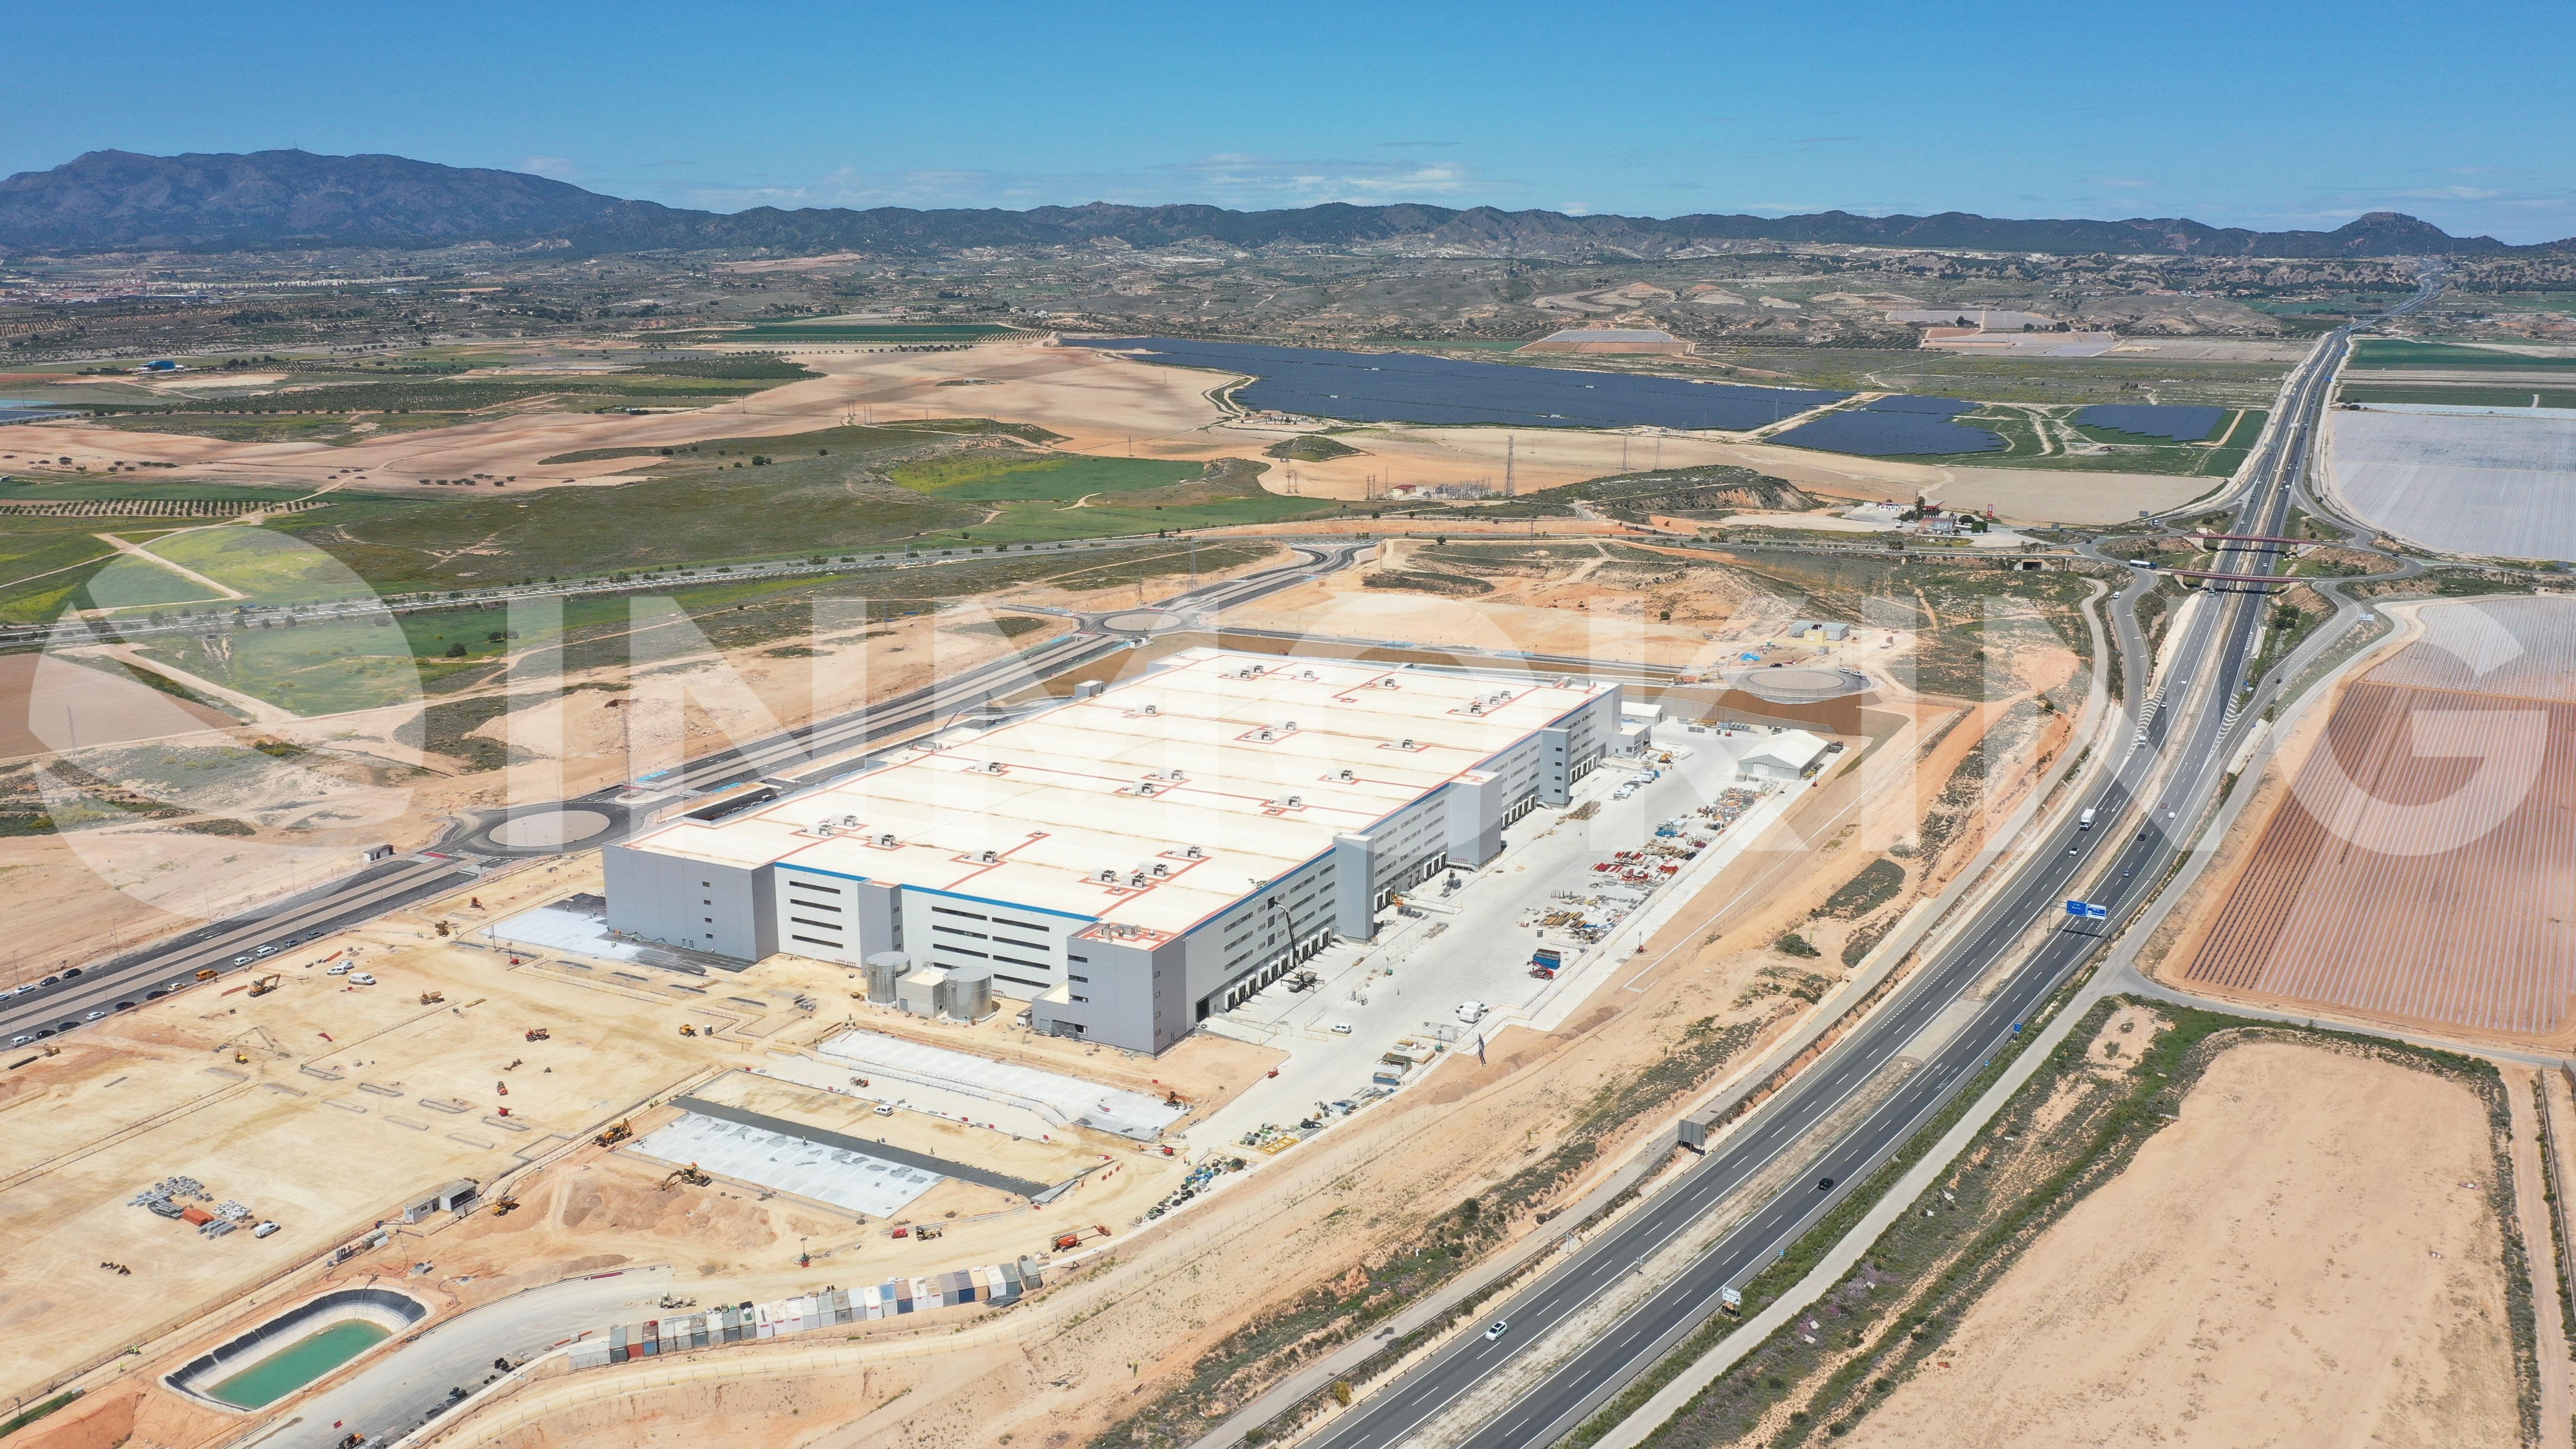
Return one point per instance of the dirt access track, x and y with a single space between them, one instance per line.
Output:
2309 1256
1098 403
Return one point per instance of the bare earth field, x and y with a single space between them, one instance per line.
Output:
351 1098
2389 879
1100 404
2307 1257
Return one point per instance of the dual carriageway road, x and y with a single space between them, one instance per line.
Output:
1931 1037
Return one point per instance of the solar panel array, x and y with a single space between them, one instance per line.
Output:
1406 387
2181 424
1893 427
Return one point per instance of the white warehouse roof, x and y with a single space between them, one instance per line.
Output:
1221 771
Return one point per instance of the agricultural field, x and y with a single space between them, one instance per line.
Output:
336 666
2462 395
2384 353
2392 897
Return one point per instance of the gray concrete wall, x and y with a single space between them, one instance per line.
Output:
719 909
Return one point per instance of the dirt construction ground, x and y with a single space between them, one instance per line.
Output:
322 1105
1124 1328
1099 403
2308 1257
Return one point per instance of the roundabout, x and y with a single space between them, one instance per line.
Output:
548 829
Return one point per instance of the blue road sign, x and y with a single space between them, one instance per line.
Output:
2087 911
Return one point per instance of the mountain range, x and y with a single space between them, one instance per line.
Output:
122 201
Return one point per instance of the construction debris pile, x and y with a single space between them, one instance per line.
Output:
177 1197
825 1308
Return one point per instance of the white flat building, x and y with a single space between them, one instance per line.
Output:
1788 755
1133 862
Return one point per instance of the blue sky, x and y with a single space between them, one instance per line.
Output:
2250 114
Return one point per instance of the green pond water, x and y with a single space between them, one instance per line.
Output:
297 1364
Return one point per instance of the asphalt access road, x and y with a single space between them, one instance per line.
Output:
1930 1022
128 979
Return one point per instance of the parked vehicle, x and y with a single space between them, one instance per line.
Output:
344 968
361 978
1471 1012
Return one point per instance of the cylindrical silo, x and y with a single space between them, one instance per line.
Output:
886 971
967 994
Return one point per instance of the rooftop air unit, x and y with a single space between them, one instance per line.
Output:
1108 876
885 838
1149 709
849 822
1346 776
823 827
1192 852
988 857
1296 802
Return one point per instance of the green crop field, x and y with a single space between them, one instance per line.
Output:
2490 396
120 491
267 565
127 582
2383 352
880 333
986 478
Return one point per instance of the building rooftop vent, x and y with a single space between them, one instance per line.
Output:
988 857
1107 876
1193 852
1150 709
886 838
823 827
1346 776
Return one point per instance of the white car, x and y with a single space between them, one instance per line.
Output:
1471 1012
1341 1028
343 969
361 978
1501 1327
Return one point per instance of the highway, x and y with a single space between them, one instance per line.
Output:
1928 1039
136 976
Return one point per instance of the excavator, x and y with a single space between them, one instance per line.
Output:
618 1131
689 1175
265 984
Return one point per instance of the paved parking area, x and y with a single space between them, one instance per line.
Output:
1471 944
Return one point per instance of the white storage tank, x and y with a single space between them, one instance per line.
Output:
885 976
967 994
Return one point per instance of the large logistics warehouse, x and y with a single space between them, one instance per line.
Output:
1134 861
